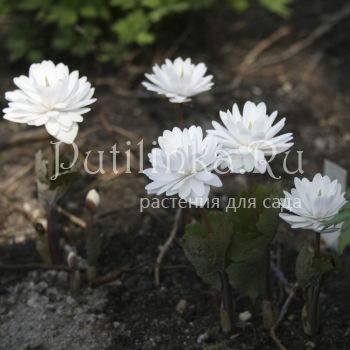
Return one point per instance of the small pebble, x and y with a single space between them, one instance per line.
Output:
50 307
33 301
41 287
310 344
62 277
70 300
181 306
116 324
203 338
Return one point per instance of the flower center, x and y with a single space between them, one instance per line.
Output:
188 173
182 72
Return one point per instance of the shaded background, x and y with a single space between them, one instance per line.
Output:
295 58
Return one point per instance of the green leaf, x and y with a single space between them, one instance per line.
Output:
50 190
35 55
259 222
207 250
144 38
338 219
249 256
134 28
63 41
125 5
81 48
152 3
45 194
344 238
64 16
280 7
254 230
162 11
309 270
239 5
347 195
29 4
343 217
65 176
89 11
249 277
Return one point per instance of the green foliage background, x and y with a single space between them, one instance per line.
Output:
105 28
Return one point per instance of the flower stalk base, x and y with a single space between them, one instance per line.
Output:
311 311
227 309
52 235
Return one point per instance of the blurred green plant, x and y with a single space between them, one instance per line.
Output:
104 28
239 243
343 217
237 246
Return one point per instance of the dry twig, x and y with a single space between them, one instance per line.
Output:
71 217
25 137
164 248
251 57
251 64
10 185
114 129
280 275
262 46
283 312
111 277
19 209
326 26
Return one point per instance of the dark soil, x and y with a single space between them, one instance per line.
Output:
311 89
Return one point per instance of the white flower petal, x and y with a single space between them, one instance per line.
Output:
319 201
52 96
178 80
250 135
182 165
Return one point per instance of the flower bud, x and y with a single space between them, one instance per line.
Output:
244 316
72 261
92 200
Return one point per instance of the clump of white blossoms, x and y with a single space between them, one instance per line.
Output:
249 137
183 165
50 96
179 80
319 201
